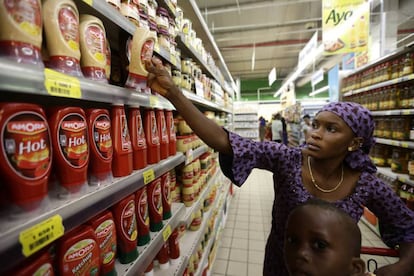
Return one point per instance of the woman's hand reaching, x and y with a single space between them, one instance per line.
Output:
159 80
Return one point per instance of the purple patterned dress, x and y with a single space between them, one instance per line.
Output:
285 163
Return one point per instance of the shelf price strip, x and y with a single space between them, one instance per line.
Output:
148 176
62 85
167 232
41 234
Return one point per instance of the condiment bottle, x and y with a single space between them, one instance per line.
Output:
152 137
105 231
139 144
40 264
149 271
174 246
196 223
122 158
163 257
78 252
101 148
69 131
172 139
163 133
143 220
21 31
62 36
142 47
166 195
27 153
155 204
93 47
129 9
126 229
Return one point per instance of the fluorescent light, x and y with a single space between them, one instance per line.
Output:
320 90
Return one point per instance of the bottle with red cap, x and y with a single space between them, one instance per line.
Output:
172 139
143 220
139 144
163 133
152 137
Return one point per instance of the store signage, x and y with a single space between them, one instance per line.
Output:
272 76
345 26
317 77
309 50
333 82
348 61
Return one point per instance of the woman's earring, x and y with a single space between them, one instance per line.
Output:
350 148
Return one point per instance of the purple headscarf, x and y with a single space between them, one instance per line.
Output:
359 119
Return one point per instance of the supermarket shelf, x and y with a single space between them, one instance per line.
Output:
370 226
404 178
75 211
379 85
402 144
393 112
175 268
167 5
17 78
204 102
148 252
187 217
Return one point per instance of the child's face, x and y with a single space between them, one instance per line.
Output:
316 244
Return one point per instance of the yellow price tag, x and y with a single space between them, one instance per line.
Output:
153 101
149 176
41 234
167 232
89 2
62 85
404 144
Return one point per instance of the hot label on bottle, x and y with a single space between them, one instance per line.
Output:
26 141
73 142
129 224
27 15
69 26
102 136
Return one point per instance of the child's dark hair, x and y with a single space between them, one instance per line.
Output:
350 225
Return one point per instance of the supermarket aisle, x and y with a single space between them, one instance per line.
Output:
241 250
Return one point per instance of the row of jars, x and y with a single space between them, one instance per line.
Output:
395 157
403 190
400 66
394 127
386 98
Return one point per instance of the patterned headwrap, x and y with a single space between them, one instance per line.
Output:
359 119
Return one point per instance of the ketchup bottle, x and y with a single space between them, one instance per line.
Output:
166 195
122 159
139 144
78 252
71 150
39 264
101 150
104 227
174 246
152 136
126 229
155 204
143 221
27 153
163 257
172 139
163 133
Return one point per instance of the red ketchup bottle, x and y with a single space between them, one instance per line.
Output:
163 133
139 144
166 195
70 143
155 204
78 252
101 150
27 154
122 158
163 257
142 216
126 229
105 231
172 146
40 264
152 136
174 246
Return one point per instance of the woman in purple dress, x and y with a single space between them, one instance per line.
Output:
333 165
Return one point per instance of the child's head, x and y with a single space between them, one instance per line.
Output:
321 239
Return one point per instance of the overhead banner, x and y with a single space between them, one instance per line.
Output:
345 26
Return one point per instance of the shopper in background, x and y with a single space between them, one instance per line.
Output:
277 128
312 246
262 128
333 165
304 128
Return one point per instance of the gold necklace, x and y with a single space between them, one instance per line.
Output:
320 188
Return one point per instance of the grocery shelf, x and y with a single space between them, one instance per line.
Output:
204 102
402 144
393 112
404 178
148 252
75 211
379 85
18 78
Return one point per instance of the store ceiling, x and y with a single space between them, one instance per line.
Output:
271 33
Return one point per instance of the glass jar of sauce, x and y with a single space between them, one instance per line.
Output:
400 159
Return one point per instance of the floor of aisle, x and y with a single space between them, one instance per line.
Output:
242 245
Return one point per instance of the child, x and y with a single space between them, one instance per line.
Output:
321 239
333 165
